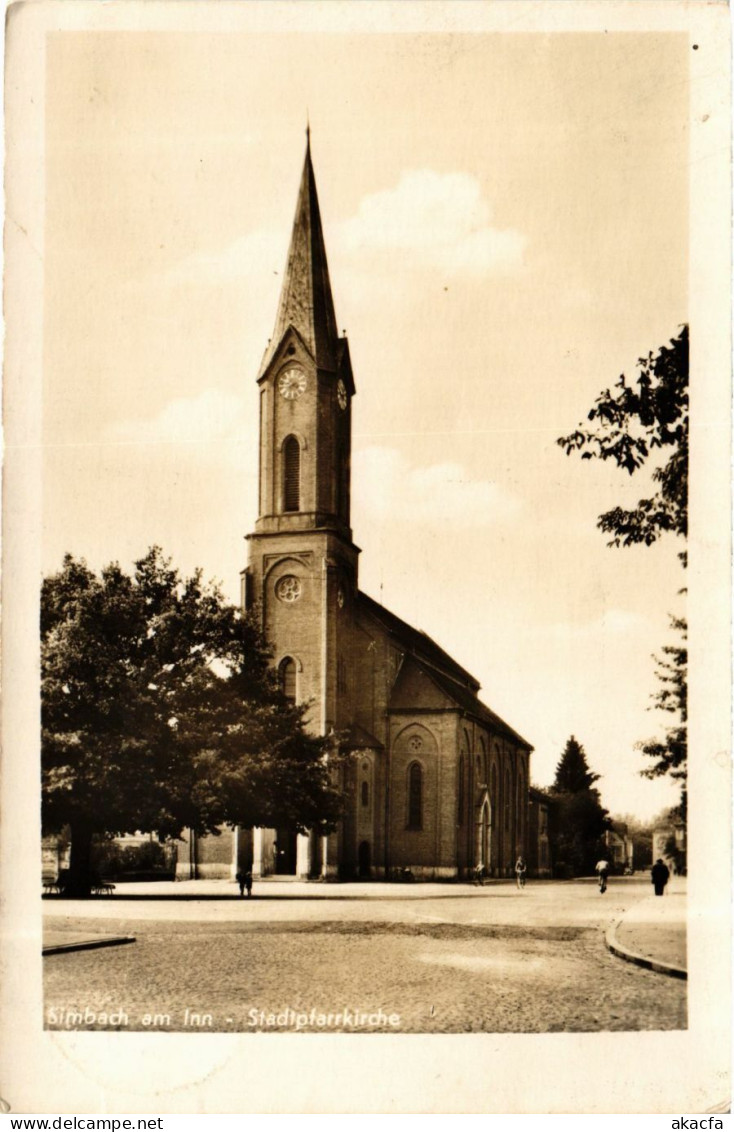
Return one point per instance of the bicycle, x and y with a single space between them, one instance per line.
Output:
602 882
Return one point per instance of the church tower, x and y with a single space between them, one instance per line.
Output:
436 783
302 563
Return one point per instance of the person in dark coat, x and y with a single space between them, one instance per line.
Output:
660 874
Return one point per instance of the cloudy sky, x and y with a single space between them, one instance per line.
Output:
506 219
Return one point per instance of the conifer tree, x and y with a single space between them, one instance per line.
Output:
572 772
579 819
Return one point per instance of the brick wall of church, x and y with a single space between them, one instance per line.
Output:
427 846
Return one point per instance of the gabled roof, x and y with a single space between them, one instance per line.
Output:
355 738
453 680
417 641
306 301
468 702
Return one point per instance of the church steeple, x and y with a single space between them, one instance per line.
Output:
306 303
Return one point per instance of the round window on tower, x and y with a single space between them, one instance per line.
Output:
288 589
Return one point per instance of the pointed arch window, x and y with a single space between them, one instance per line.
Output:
415 796
520 803
460 806
287 678
291 474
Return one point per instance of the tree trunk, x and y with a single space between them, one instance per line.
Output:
79 882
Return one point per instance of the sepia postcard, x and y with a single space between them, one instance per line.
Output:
366 558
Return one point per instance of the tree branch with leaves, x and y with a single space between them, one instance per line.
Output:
631 426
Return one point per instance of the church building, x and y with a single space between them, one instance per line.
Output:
438 784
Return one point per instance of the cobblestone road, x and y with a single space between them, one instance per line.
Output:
487 959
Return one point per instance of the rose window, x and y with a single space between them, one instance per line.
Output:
288 588
415 743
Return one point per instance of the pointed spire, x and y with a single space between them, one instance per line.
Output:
306 303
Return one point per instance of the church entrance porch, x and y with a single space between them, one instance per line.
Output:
285 851
364 860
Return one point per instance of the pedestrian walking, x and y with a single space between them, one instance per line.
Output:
660 875
602 869
241 881
248 883
520 872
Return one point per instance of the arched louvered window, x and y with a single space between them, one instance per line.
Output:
365 794
415 796
460 805
520 800
291 474
287 678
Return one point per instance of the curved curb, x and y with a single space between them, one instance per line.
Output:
641 960
87 944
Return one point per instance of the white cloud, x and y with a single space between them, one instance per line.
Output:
211 417
257 255
439 220
388 488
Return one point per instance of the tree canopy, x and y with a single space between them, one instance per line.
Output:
630 425
160 711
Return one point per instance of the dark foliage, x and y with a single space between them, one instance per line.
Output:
160 711
671 752
630 425
633 425
579 819
572 772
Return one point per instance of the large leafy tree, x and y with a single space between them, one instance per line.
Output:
160 711
579 818
636 425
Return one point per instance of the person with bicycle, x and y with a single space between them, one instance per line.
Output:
520 872
602 868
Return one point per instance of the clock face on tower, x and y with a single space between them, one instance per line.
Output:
291 383
341 394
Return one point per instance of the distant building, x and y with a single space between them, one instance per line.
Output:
620 847
439 783
669 841
539 854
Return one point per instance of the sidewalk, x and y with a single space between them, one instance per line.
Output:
280 888
652 933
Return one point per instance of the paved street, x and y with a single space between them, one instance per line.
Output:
410 958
